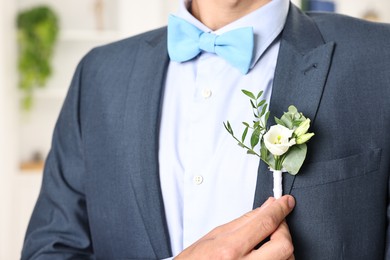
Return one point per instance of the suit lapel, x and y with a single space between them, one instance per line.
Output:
301 72
143 116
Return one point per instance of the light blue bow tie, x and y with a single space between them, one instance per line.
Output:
185 41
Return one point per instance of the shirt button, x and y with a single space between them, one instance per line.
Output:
198 179
206 93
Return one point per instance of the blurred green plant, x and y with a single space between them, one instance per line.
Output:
305 5
37 35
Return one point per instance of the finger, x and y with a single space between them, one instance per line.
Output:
267 202
263 223
281 232
280 246
237 223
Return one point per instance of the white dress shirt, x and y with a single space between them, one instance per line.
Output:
206 178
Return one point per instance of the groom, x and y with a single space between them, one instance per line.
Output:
142 168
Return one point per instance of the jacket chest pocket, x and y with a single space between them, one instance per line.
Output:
326 172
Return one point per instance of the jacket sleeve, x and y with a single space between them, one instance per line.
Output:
58 228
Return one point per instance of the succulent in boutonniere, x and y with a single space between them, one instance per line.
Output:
283 146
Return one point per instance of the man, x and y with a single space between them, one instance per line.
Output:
141 167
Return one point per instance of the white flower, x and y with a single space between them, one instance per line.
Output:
277 139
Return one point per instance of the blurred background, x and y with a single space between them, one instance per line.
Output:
33 87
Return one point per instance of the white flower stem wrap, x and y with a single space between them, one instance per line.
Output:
278 189
278 140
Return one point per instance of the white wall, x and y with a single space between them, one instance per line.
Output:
8 124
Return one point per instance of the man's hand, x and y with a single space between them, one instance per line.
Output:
237 239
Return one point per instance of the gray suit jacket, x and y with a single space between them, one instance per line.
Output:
101 195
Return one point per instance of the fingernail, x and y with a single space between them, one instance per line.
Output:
291 202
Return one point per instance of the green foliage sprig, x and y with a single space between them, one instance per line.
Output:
258 126
37 35
282 146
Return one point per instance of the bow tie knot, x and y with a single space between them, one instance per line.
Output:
207 42
186 41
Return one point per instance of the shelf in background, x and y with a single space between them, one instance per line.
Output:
32 166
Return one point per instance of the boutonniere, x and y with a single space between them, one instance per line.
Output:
282 146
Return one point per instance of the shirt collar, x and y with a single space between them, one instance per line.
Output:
267 22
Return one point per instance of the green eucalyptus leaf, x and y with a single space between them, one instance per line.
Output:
294 158
266 118
245 124
263 152
244 134
224 124
292 109
248 93
271 161
241 145
251 152
228 127
253 104
262 102
298 117
279 122
266 157
259 95
255 138
287 120
296 123
264 110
